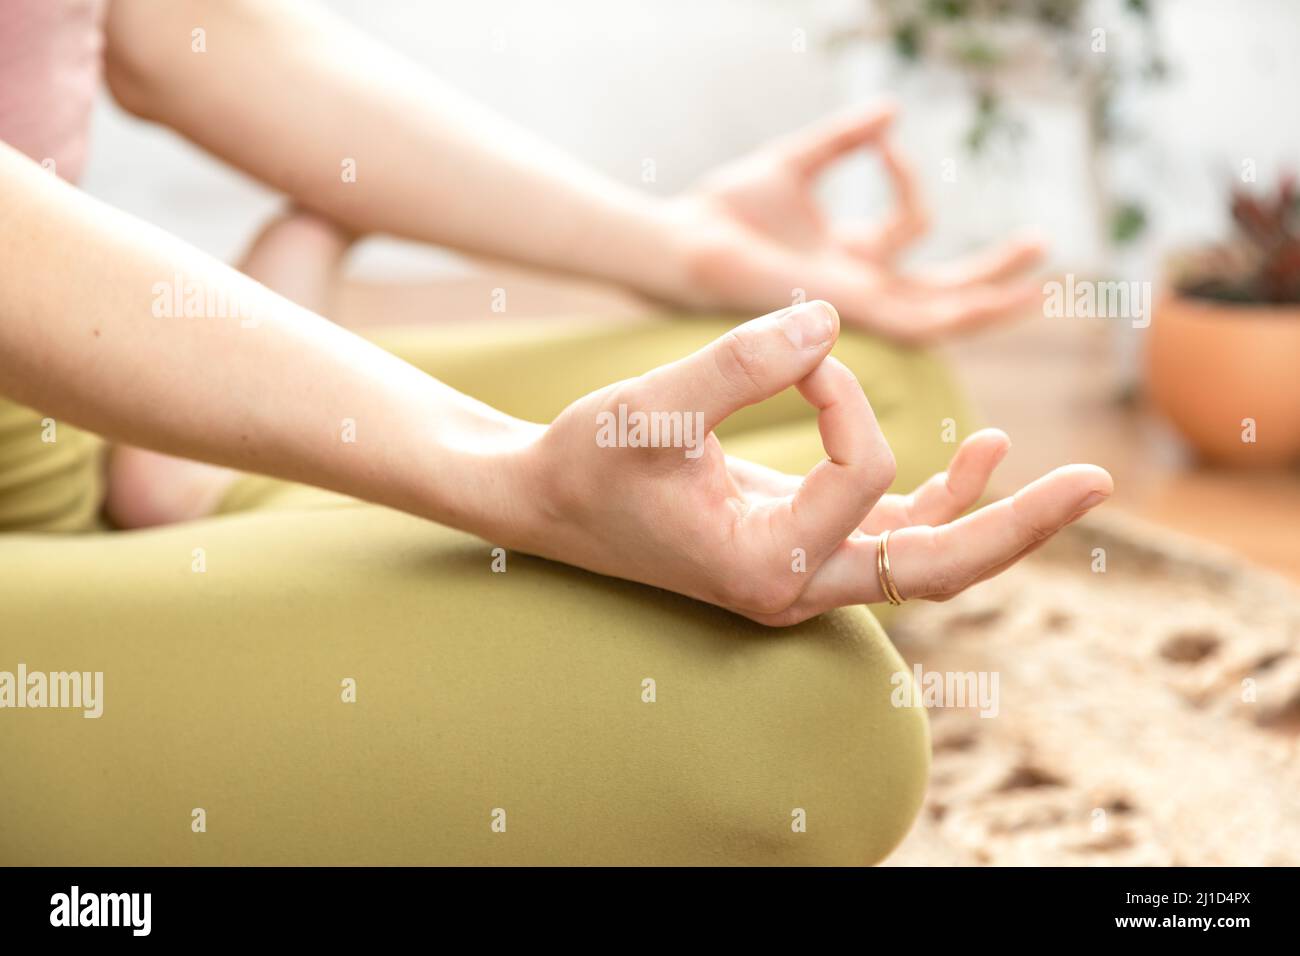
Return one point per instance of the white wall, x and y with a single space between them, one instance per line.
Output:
689 84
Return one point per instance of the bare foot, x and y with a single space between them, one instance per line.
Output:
296 255
146 488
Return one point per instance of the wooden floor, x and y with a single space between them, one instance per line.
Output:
1054 388
1051 384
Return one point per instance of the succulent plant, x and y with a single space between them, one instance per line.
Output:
1260 262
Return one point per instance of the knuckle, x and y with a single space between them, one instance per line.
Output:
740 360
884 469
1037 532
642 394
875 476
1032 529
948 580
946 576
636 393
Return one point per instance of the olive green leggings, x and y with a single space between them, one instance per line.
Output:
306 679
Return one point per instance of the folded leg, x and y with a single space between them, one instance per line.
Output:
599 721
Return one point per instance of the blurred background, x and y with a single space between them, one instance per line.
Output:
1151 706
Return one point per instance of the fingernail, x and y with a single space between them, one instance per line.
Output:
810 325
1092 500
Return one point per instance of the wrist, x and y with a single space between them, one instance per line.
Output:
480 475
640 243
709 254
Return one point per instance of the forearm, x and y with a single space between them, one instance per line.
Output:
111 325
290 94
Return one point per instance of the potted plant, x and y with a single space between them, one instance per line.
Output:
1223 361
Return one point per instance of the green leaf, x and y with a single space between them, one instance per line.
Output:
1127 222
907 40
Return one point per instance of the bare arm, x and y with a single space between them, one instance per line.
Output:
89 333
288 93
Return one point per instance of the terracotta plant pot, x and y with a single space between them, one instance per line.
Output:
1211 365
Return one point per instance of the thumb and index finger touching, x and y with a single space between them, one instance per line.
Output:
764 357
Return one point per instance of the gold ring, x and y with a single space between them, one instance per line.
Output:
884 573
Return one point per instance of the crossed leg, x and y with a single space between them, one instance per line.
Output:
524 692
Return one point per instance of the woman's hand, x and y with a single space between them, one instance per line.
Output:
682 515
754 236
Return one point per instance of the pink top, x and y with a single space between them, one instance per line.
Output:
49 70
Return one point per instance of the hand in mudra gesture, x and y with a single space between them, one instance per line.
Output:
724 530
755 232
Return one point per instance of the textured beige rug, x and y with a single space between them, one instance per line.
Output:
1148 713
